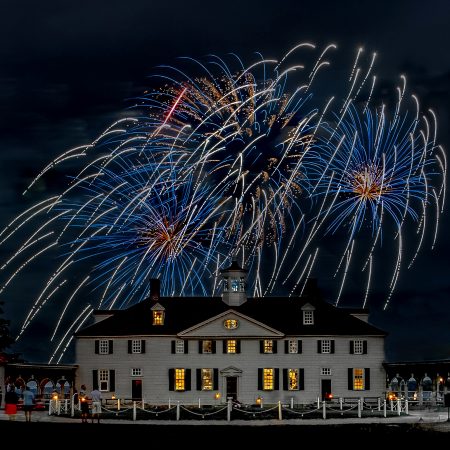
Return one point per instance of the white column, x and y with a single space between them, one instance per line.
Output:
340 403
359 408
229 406
324 409
384 408
379 404
406 407
292 402
399 406
178 410
134 411
280 415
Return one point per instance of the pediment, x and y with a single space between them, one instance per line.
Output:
231 371
247 327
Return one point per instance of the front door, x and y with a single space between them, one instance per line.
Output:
232 387
136 389
326 389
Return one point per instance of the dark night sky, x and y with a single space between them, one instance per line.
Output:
67 68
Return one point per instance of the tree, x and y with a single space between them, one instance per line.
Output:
5 338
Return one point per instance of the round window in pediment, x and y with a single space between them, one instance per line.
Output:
231 324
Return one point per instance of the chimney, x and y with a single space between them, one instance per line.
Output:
154 289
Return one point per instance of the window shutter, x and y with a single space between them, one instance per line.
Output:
277 380
112 380
199 379
95 379
286 346
172 378
224 346
238 346
143 346
365 347
213 349
367 379
274 346
300 346
130 343
352 347
285 380
97 347
260 379
319 346
261 346
200 346
172 347
350 379
111 348
216 379
301 384
332 346
187 379
186 346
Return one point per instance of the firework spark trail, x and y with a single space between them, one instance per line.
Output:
396 271
299 279
344 277
369 278
310 269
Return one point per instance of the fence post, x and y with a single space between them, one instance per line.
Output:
406 407
392 405
50 407
229 406
118 404
399 407
199 404
318 403
384 408
143 404
324 409
72 407
340 403
379 404
359 408
58 407
280 414
178 410
292 402
169 403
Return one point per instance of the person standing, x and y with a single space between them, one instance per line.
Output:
11 399
28 403
96 397
84 405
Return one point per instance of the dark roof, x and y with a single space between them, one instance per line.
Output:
233 267
282 313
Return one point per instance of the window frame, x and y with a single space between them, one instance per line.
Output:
179 382
268 379
103 347
207 351
308 317
358 343
293 345
135 373
179 347
359 379
210 386
324 343
230 345
268 346
136 346
325 371
103 377
158 316
297 377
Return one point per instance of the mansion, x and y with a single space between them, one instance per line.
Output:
210 348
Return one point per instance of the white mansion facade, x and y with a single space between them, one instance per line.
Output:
274 348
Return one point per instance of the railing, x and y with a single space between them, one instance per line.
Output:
335 408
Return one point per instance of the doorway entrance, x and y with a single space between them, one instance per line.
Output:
326 389
232 387
136 389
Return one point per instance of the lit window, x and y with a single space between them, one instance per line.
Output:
179 379
207 379
231 324
103 380
179 346
293 346
136 372
268 346
103 348
325 371
225 284
235 285
293 379
358 379
231 346
242 284
136 346
268 378
326 346
358 347
158 317
207 346
308 317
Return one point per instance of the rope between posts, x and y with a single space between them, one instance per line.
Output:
301 413
255 412
203 414
115 411
342 410
157 412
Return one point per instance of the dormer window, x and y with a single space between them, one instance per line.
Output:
308 317
158 317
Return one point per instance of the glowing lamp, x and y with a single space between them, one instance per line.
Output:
55 397
330 396
258 400
217 395
113 397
